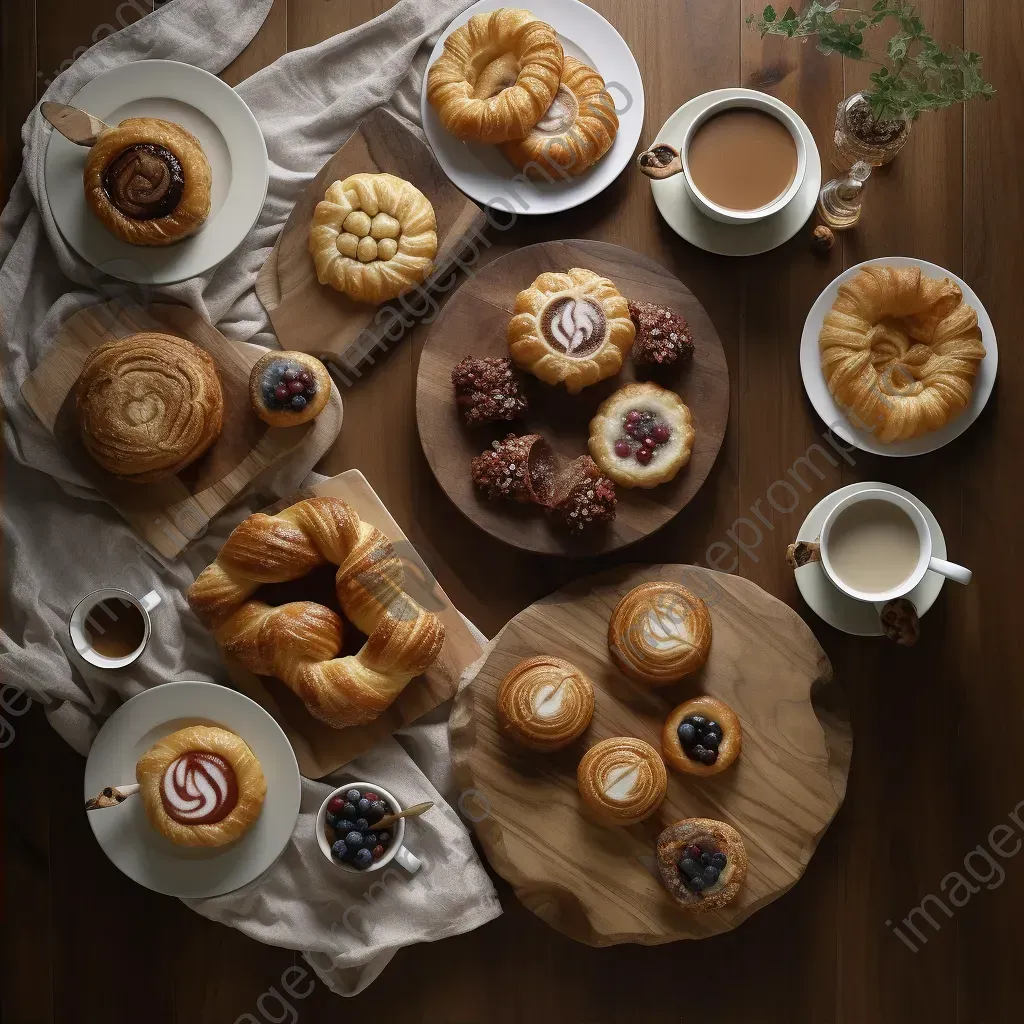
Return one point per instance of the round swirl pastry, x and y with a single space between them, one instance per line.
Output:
148 405
373 237
702 862
571 327
496 76
148 181
576 130
900 351
659 633
701 737
545 703
622 779
642 435
201 786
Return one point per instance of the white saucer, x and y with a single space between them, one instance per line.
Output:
841 610
126 836
231 139
685 219
485 175
829 410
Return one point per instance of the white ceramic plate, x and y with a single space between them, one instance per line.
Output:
127 838
231 139
675 205
839 609
830 411
486 176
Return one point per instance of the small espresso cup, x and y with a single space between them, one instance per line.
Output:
926 561
98 613
397 851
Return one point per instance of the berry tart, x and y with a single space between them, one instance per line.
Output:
702 862
521 468
701 737
351 836
487 391
642 435
662 336
289 388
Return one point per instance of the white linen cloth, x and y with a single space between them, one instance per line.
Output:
63 541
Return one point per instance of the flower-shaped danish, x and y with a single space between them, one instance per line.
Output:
571 327
373 237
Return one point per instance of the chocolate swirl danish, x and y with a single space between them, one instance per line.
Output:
148 181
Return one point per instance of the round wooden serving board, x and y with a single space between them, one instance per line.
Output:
474 323
601 885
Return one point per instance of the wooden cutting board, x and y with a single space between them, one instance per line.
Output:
601 886
474 323
314 318
170 513
319 748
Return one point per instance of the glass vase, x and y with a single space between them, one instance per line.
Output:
858 136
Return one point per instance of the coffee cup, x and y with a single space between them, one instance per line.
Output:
396 851
110 628
779 162
875 546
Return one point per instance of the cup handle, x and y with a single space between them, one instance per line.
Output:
150 601
950 570
408 860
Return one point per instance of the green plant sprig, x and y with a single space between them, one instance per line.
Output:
914 72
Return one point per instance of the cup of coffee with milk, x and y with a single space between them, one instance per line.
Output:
742 159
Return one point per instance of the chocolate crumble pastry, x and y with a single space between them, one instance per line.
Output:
518 468
662 336
487 391
584 497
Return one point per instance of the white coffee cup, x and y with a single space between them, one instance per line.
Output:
395 852
86 609
926 561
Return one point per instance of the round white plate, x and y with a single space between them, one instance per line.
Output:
486 176
685 219
831 412
231 139
126 836
841 610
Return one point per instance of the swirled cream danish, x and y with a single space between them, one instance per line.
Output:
622 779
201 786
573 328
544 703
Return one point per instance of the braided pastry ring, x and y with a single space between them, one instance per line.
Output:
299 642
900 351
373 237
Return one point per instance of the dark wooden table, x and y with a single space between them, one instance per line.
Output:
938 763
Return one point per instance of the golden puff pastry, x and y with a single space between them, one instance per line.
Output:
201 786
573 328
680 849
373 237
496 76
545 703
274 386
659 633
900 351
622 780
642 435
148 405
576 130
148 181
701 755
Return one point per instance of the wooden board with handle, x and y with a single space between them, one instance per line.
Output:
319 748
599 885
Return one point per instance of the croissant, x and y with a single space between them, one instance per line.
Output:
900 351
467 84
299 642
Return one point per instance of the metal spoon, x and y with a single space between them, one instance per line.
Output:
77 126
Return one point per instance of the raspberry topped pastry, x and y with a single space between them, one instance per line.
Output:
662 336
642 435
288 388
487 391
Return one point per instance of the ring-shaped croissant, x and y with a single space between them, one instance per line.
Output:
900 351
373 237
460 85
299 642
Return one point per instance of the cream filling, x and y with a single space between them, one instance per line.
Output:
547 701
620 783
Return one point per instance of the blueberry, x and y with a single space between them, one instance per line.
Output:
363 858
377 810
353 796
719 860
344 826
705 859
362 824
370 840
354 840
339 851
364 806
711 740
383 838
332 820
311 391
697 721
713 727
687 734
696 884
689 867
350 811
697 753
298 402
709 757
711 874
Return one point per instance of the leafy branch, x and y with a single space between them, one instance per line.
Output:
915 73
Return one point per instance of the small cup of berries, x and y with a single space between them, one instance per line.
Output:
347 832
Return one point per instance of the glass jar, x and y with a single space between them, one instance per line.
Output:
858 136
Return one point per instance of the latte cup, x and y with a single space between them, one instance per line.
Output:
397 851
925 561
88 617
